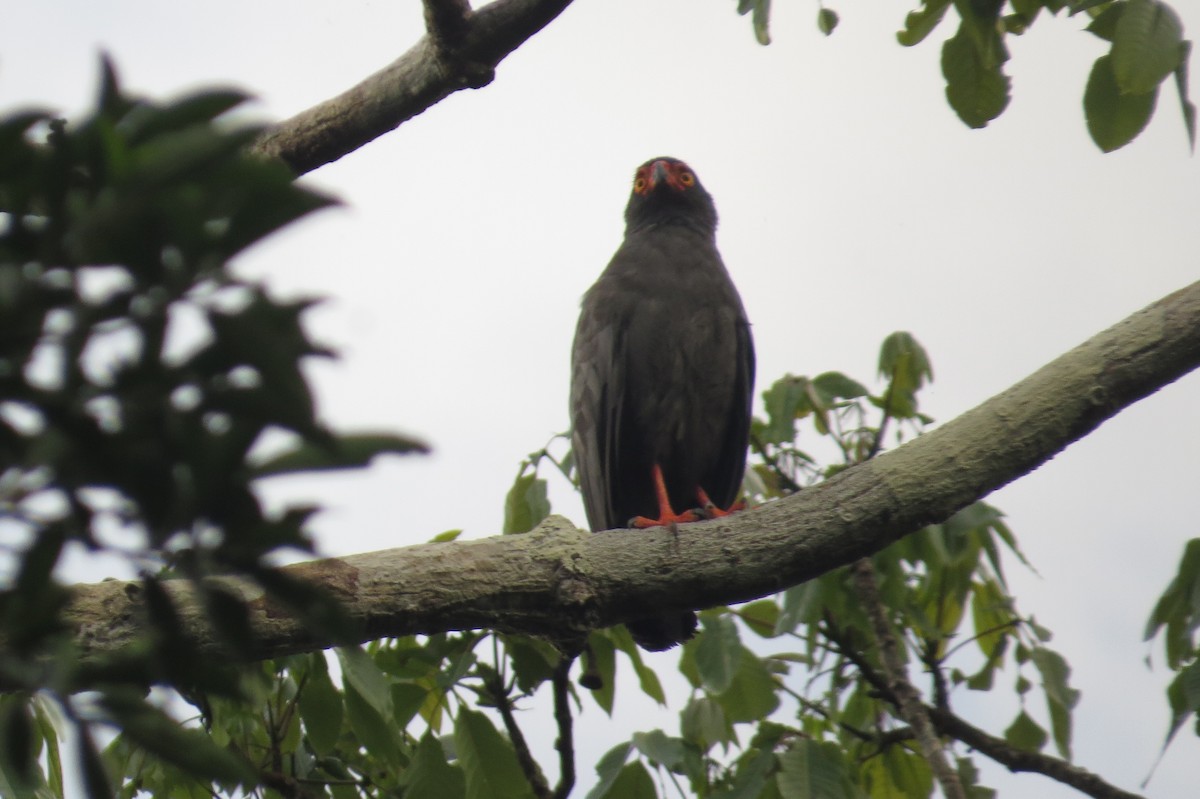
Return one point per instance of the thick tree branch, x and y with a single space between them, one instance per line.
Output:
559 581
460 51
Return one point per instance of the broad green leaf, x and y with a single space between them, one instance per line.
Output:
410 698
526 504
703 723
750 780
1025 733
835 385
920 23
374 731
430 776
350 451
899 772
1114 119
659 747
487 759
801 605
761 617
449 535
533 660
633 782
362 674
812 770
609 768
1146 45
718 651
1105 24
976 87
785 401
321 706
752 692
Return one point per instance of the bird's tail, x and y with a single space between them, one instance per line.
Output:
663 632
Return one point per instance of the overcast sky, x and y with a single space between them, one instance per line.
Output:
853 203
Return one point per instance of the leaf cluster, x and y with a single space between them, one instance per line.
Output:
138 376
1147 48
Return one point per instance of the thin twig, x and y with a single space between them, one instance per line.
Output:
561 680
532 771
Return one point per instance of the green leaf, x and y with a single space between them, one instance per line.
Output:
449 535
1105 24
718 651
703 723
785 401
919 24
761 617
608 769
1025 733
526 504
801 605
810 770
750 780
1187 107
96 783
430 776
1114 119
487 759
1146 46
321 706
191 750
1060 697
1178 609
603 664
752 692
976 87
347 451
633 782
51 728
18 745
660 748
647 678
835 385
373 726
827 20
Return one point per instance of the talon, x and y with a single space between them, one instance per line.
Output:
667 517
711 511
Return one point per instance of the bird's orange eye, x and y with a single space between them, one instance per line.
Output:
639 184
687 179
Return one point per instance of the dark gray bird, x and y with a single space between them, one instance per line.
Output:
662 374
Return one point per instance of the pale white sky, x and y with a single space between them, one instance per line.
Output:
853 203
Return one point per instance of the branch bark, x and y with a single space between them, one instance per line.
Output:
560 581
460 51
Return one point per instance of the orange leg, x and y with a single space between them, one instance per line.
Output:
711 511
666 514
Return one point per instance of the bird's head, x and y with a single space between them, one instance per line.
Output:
666 190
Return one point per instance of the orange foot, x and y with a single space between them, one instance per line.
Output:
710 509
666 514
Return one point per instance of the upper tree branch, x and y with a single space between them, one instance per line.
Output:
559 581
461 50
